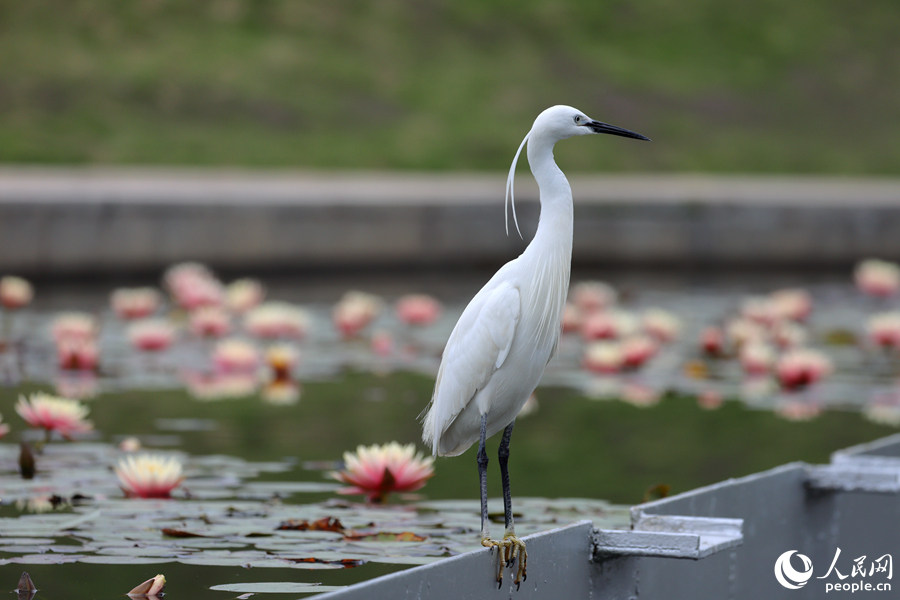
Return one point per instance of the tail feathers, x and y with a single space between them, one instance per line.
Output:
428 434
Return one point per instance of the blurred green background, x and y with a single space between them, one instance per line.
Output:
807 86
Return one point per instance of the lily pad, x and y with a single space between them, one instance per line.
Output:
46 559
125 560
291 487
276 587
405 560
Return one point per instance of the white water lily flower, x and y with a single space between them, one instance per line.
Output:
149 475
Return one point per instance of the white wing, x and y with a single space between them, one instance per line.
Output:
479 344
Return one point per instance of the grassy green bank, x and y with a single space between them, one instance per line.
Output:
808 86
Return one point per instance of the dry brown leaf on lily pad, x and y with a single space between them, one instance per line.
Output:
180 533
323 524
347 563
150 588
385 536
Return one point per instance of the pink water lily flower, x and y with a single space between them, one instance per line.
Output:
234 355
712 341
15 292
151 335
591 296
637 349
135 303
884 329
376 471
244 294
802 367
794 303
354 312
609 324
52 413
74 326
276 320
572 318
418 309
77 355
193 285
877 277
661 324
603 357
210 321
149 475
757 358
382 342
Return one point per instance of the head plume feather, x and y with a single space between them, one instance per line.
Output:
510 194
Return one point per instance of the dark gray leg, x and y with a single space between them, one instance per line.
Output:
503 457
482 475
516 548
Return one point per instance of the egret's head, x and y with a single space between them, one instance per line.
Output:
564 122
554 124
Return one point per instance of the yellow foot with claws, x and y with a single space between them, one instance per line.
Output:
509 549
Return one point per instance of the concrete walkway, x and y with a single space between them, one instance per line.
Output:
75 220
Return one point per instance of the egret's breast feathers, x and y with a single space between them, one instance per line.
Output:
478 346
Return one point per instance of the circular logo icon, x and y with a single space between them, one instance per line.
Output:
787 575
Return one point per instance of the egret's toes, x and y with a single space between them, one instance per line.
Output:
509 549
521 575
516 550
500 545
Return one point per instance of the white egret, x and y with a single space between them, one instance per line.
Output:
497 352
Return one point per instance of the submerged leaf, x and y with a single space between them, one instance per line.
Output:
840 337
696 369
660 490
26 461
25 584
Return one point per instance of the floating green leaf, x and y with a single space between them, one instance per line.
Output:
276 587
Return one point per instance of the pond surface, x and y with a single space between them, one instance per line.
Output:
252 464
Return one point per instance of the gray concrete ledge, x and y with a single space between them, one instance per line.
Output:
750 521
73 220
558 567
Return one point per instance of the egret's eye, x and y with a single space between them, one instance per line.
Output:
577 118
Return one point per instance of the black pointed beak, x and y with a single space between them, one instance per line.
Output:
598 127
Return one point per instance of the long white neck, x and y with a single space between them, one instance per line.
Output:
553 237
549 255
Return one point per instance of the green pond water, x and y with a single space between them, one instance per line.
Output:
251 464
244 458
